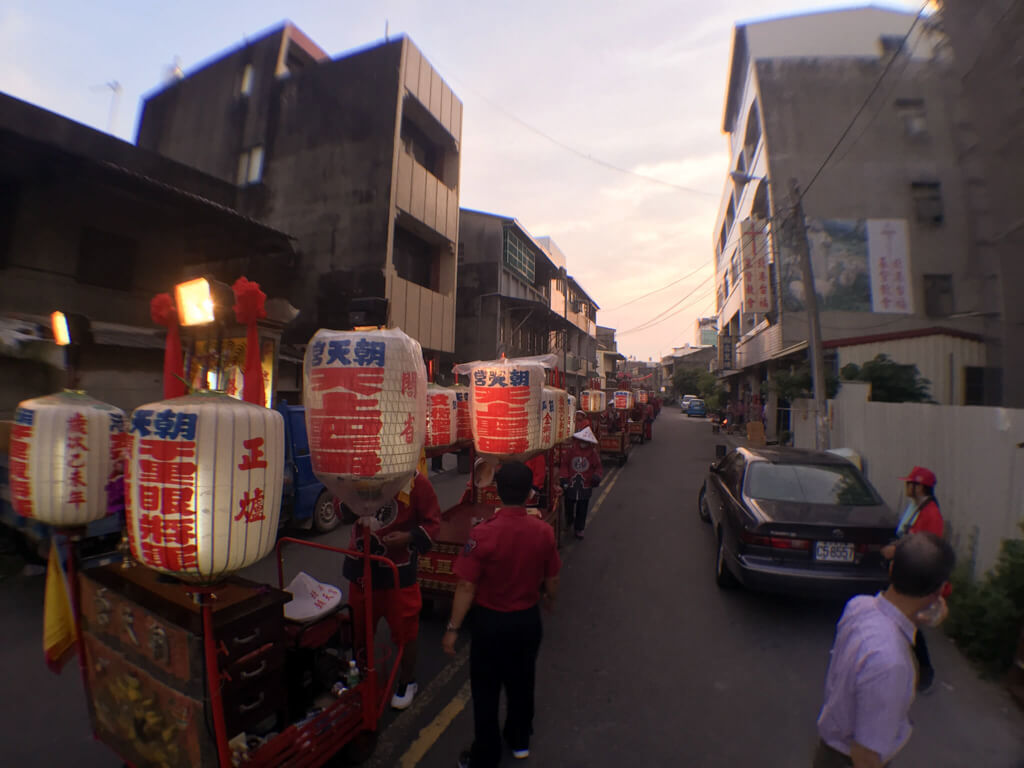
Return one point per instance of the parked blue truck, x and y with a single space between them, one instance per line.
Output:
305 502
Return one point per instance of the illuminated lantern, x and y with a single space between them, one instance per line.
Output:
464 426
505 400
366 400
593 401
623 399
641 396
203 485
571 427
442 418
64 449
548 418
563 416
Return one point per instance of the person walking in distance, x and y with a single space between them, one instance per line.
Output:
505 562
922 514
401 530
580 473
869 686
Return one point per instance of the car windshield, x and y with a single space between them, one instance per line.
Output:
696 402
809 484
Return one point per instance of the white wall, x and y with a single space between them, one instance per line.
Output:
972 450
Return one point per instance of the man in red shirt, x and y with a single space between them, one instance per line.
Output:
501 570
402 530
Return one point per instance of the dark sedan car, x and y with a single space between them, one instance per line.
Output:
795 521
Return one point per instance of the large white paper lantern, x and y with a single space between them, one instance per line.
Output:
464 426
571 428
593 401
563 416
442 417
64 448
641 396
505 400
203 485
548 418
365 394
623 399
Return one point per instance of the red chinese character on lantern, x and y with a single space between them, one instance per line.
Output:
166 473
408 431
78 424
166 450
409 384
253 459
251 507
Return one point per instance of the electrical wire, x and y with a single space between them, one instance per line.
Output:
658 290
864 104
662 316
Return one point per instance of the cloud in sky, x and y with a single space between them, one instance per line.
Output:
639 85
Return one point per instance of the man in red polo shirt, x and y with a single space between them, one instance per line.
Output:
501 570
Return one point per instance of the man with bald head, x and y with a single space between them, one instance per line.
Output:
871 678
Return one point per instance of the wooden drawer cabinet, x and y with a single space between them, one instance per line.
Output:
144 644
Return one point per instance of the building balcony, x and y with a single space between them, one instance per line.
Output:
425 197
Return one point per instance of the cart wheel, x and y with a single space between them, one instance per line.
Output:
360 749
324 517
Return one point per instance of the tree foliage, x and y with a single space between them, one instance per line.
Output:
797 382
891 382
693 381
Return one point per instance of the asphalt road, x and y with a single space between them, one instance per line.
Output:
646 663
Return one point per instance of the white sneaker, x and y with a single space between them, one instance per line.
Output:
520 754
403 696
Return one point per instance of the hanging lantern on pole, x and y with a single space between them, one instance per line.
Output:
464 419
365 394
505 400
548 418
203 485
623 399
593 401
64 449
571 426
442 417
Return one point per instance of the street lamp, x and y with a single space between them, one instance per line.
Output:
810 303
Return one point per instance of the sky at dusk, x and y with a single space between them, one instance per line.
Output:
554 92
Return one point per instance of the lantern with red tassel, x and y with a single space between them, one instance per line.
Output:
249 308
163 312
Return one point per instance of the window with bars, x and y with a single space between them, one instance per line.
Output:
518 257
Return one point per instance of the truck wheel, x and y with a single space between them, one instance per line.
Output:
324 517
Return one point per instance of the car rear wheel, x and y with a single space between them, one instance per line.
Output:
723 576
702 506
324 517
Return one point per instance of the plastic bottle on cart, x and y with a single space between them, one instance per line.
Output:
352 676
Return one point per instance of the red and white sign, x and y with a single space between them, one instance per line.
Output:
442 417
887 250
366 396
464 419
203 485
506 398
64 449
623 399
754 254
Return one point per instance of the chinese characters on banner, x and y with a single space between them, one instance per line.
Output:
464 425
347 427
623 400
506 401
441 417
887 249
18 466
547 420
164 473
76 450
754 253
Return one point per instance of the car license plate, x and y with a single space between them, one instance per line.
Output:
833 552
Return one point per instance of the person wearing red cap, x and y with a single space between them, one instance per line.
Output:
922 514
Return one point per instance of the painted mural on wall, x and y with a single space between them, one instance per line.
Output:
859 265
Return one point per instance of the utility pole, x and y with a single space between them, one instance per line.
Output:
814 349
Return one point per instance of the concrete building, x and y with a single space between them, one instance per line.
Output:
986 41
356 158
706 332
695 358
886 218
517 298
95 226
608 356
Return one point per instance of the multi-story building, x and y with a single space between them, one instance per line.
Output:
885 219
94 226
706 332
985 37
356 158
608 356
516 298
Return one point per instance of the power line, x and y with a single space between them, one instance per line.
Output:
579 152
657 290
668 313
864 104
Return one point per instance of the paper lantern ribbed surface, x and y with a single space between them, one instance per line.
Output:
641 396
572 416
593 400
548 418
623 399
63 449
464 427
505 401
442 417
203 485
366 402
563 416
